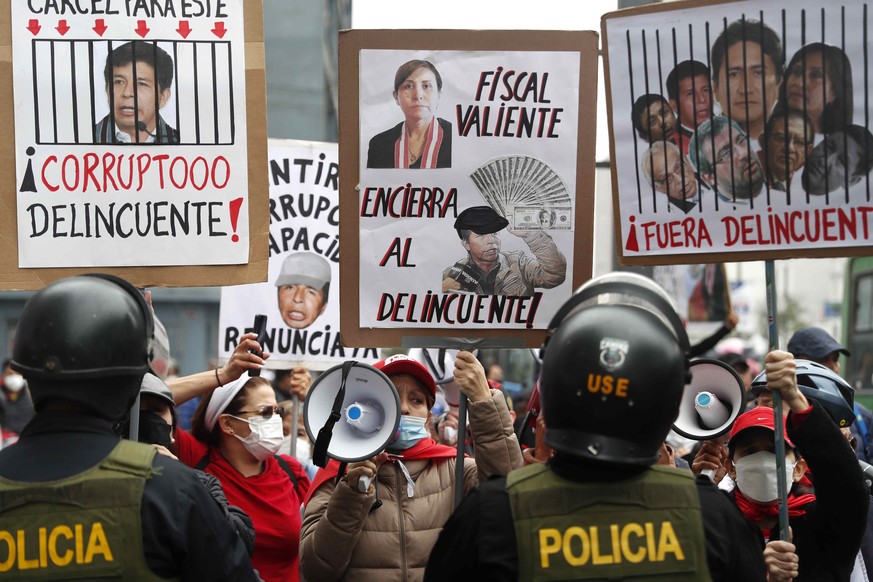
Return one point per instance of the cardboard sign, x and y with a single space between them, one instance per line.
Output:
467 183
138 131
739 130
701 292
301 295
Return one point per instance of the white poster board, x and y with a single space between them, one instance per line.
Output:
303 320
800 186
177 194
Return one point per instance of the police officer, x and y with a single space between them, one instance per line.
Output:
75 500
613 374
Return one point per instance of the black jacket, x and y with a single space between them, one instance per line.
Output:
478 542
381 151
828 537
184 532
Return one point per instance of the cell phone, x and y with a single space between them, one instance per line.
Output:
260 328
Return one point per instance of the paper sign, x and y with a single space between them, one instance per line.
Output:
301 295
740 130
130 133
469 185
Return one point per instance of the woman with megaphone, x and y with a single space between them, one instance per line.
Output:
385 529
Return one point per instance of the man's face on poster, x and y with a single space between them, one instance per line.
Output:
747 84
127 110
673 176
786 147
484 248
300 305
736 169
694 101
659 121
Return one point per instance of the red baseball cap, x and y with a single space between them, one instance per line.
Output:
763 417
401 364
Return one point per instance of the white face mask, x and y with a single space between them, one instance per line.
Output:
756 476
265 438
303 453
14 382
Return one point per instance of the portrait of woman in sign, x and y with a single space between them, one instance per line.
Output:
421 140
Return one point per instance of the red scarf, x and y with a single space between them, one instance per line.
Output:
430 151
755 511
423 449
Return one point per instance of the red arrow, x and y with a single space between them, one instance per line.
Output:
33 26
62 27
141 28
219 30
184 29
99 26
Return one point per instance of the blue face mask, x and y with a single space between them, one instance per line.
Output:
411 431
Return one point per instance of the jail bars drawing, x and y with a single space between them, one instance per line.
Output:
72 92
751 110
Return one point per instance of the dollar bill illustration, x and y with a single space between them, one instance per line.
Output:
542 218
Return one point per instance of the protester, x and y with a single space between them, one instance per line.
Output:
287 383
817 345
614 370
237 431
157 426
387 532
16 405
827 526
131 514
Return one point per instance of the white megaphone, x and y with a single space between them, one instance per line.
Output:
711 402
440 363
351 413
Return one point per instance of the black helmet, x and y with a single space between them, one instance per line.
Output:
820 383
86 339
614 371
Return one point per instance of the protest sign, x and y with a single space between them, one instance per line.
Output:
701 293
739 130
139 134
465 151
301 295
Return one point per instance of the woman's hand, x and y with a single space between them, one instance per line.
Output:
470 377
356 471
241 360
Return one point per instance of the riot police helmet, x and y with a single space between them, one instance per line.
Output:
613 373
85 339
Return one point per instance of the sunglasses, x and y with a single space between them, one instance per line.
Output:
266 412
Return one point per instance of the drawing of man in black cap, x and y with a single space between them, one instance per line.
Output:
488 271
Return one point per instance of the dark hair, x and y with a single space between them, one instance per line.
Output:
746 30
410 67
838 69
777 121
198 422
682 71
139 52
641 105
464 234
